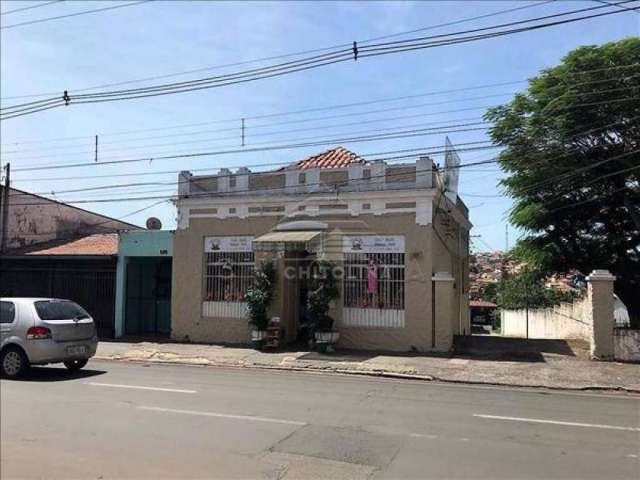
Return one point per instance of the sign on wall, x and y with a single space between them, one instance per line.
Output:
228 244
373 244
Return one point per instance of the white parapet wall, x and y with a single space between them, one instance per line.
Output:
565 321
626 344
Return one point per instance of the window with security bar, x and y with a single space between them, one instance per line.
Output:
227 276
374 280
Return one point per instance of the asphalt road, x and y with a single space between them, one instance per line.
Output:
118 420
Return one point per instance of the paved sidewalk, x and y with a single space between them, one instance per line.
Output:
546 367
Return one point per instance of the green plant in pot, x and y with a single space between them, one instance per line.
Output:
323 288
259 297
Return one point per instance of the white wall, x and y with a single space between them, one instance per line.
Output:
565 321
626 344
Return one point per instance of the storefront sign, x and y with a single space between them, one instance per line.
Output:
373 244
228 244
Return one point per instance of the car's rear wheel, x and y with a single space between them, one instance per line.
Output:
75 365
13 362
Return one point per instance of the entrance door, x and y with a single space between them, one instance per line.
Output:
148 302
294 315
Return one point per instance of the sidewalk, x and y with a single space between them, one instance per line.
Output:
480 362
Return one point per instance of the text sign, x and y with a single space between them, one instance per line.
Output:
373 244
228 244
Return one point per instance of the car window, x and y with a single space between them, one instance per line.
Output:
7 312
59 310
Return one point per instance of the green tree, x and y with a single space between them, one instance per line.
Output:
571 145
527 289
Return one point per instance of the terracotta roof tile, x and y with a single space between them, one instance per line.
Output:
97 244
482 304
337 157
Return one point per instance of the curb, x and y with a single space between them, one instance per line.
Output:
375 373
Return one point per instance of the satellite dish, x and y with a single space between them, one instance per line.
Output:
154 223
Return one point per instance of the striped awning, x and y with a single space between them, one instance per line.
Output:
309 240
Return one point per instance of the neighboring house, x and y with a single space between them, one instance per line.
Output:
482 312
81 269
58 250
401 243
33 219
143 293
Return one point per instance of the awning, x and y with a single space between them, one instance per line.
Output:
309 240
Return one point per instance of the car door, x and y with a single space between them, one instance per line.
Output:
8 317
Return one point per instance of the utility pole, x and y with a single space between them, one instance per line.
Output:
4 230
96 159
243 132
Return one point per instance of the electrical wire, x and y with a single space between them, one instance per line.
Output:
334 107
272 164
238 129
312 62
84 12
15 10
288 55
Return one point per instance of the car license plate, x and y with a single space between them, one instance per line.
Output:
77 350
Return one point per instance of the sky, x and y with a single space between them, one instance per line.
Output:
165 38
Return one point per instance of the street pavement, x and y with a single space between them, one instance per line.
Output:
132 420
488 360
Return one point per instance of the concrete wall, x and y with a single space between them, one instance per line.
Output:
626 344
564 321
34 219
591 318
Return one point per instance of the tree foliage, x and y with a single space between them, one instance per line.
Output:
571 145
526 289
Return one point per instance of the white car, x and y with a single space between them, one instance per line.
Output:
38 331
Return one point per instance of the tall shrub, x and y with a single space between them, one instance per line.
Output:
260 295
323 287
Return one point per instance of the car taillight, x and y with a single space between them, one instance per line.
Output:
37 333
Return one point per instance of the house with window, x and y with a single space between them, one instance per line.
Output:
397 234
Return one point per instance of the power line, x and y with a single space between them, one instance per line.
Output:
612 4
406 107
384 136
201 194
563 176
419 152
305 63
369 138
30 7
330 107
84 12
272 164
276 57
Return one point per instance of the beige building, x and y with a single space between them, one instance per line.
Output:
397 234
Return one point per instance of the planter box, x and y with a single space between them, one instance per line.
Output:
257 338
327 337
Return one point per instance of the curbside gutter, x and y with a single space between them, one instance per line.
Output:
204 362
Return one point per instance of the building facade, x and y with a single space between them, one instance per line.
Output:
143 283
397 235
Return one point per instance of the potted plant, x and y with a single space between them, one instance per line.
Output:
259 297
323 288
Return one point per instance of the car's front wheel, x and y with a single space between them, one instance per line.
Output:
75 365
13 362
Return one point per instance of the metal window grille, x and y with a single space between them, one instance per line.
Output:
227 276
388 290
